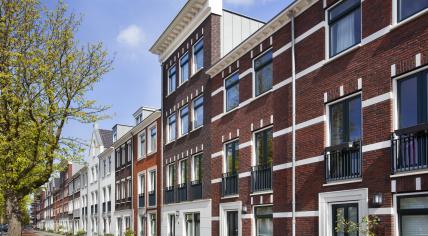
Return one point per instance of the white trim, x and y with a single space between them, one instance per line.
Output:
376 146
230 206
216 181
302 162
244 145
378 99
376 35
298 214
410 173
217 91
343 182
302 125
381 211
215 218
217 154
244 174
395 207
245 73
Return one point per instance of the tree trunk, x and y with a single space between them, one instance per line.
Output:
12 212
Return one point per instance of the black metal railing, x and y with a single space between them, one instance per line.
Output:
129 199
261 178
196 190
182 192
152 198
169 195
104 207
410 149
96 208
92 209
229 184
141 200
109 206
343 161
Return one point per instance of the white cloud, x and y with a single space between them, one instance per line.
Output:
131 36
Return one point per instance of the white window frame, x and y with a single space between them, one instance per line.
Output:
194 70
180 181
327 199
253 143
130 151
395 207
149 231
193 112
180 121
141 174
327 33
149 139
395 22
224 153
225 91
169 84
192 174
169 128
144 154
168 173
188 68
270 49
230 206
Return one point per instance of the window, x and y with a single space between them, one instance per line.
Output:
183 172
263 73
348 212
129 147
264 224
197 168
413 215
152 183
232 91
198 112
263 147
129 188
123 154
344 20
152 229
413 100
172 83
141 184
118 158
171 229
109 164
198 55
142 146
184 68
184 120
172 123
407 8
170 175
345 121
123 189
127 222
152 139
142 224
193 224
232 157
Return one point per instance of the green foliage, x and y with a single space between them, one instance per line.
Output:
108 235
129 233
366 227
80 233
45 75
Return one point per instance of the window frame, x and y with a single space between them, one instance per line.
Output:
328 55
395 14
263 216
150 139
193 172
169 128
194 65
236 83
180 180
334 217
269 50
181 120
194 107
129 150
141 188
170 175
254 148
225 145
186 54
171 73
140 150
396 207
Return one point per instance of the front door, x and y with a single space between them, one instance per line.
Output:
232 223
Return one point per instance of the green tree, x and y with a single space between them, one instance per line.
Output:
45 76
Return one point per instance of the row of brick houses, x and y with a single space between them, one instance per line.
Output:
283 127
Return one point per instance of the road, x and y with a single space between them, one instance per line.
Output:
33 233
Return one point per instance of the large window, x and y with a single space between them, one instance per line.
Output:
171 225
346 212
345 121
184 68
232 223
172 127
129 150
232 91
172 77
152 140
264 224
344 20
263 73
264 147
407 8
170 175
198 55
198 112
232 157
184 120
152 181
152 228
141 184
193 224
142 146
413 100
413 215
183 172
197 168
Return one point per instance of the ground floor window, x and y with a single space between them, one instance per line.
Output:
264 223
119 226
413 215
142 224
344 213
152 229
171 222
232 223
193 224
127 222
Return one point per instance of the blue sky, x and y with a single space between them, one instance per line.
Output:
128 28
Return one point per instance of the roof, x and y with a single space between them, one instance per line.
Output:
106 137
276 23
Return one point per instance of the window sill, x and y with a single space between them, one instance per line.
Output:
170 93
169 142
359 180
142 158
409 173
151 154
230 111
230 196
261 193
195 129
182 136
182 83
196 72
343 53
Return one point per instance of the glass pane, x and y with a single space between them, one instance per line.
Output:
264 227
338 10
197 224
345 32
355 119
407 8
264 79
198 115
336 124
184 72
232 158
414 203
408 102
232 97
414 225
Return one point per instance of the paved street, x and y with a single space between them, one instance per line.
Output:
32 233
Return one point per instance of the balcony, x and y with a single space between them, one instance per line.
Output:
229 184
261 178
343 162
141 200
182 192
410 149
109 206
196 190
169 195
152 198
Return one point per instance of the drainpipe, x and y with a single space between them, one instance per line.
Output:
293 83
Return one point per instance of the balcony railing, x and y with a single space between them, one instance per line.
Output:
410 149
109 206
92 209
169 195
152 198
182 192
261 178
229 184
196 190
343 161
141 200
104 207
96 208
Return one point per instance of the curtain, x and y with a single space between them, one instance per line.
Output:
345 32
